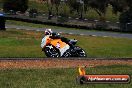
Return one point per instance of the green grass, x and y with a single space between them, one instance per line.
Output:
19 23
58 77
14 43
33 25
105 47
22 43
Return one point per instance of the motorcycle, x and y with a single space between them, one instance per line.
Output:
57 48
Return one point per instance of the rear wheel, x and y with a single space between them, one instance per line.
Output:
51 51
67 54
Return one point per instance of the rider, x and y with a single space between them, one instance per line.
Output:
54 35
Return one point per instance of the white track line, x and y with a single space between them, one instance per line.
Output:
81 34
18 28
70 33
94 35
105 36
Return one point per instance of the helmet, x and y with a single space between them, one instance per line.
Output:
48 32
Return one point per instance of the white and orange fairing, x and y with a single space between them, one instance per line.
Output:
45 41
62 46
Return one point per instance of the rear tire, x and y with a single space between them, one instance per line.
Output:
51 51
67 54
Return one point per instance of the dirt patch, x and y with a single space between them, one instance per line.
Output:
58 63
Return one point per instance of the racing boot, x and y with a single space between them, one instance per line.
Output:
72 42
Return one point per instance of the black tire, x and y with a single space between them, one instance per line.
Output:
51 52
67 54
80 52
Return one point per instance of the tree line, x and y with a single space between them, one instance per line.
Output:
124 7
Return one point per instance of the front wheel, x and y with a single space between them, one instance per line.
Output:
51 51
80 52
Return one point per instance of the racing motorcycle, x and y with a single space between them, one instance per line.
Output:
57 48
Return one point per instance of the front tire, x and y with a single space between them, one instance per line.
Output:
51 51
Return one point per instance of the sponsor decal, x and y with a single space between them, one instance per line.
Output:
83 78
107 78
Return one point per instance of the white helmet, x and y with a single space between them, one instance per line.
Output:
48 32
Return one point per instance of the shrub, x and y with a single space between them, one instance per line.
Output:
15 5
33 13
64 13
124 19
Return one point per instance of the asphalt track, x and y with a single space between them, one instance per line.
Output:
80 32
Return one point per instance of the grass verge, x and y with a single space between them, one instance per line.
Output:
58 77
19 23
22 43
